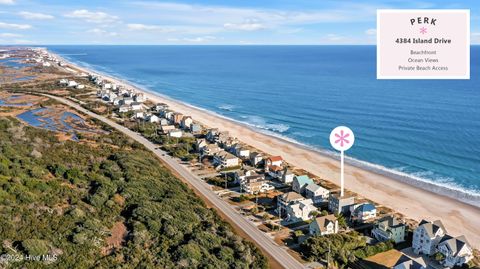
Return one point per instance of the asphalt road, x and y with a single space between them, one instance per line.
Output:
279 253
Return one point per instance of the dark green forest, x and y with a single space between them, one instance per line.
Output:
63 198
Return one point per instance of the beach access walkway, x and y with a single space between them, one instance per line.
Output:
268 246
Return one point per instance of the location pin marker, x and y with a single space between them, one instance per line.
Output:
342 139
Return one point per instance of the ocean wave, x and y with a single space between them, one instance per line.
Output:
226 107
261 123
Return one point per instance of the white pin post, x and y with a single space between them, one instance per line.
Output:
342 139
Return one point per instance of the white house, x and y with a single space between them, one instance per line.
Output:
166 128
324 225
242 174
427 236
80 87
300 211
186 122
72 84
363 212
127 101
286 199
456 251
241 151
140 98
256 158
300 183
317 193
153 119
274 160
139 115
211 149
175 133
287 176
63 82
136 106
225 159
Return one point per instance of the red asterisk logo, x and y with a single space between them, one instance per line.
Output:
423 30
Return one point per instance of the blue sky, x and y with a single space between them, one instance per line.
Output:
203 22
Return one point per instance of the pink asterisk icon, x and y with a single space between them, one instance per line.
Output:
342 138
423 30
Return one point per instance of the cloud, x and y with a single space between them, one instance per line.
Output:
35 16
14 26
371 31
23 41
10 35
93 17
7 2
334 37
248 25
101 32
142 27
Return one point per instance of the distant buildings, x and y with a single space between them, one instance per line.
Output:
324 225
389 228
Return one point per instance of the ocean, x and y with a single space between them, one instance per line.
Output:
425 132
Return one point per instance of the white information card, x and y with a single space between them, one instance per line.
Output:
423 44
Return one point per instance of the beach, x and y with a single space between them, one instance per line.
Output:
459 218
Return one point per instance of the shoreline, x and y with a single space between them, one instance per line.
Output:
372 183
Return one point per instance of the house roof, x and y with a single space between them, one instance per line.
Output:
322 222
274 168
390 222
314 187
291 196
365 207
409 263
226 155
276 158
304 179
454 244
431 228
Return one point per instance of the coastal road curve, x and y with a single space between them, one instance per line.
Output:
275 251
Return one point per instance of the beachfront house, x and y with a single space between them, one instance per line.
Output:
240 151
195 128
274 171
389 228
175 133
160 106
427 236
274 161
300 183
340 205
287 176
127 101
186 122
317 193
136 106
300 211
163 121
80 87
212 135
140 98
286 199
63 82
139 115
256 158
225 159
456 251
324 225
363 212
176 118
